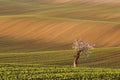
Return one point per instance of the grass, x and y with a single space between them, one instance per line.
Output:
100 57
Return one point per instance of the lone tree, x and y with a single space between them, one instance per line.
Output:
81 48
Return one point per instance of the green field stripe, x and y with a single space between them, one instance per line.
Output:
61 19
99 57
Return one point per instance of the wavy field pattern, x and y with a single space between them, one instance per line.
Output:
52 32
35 25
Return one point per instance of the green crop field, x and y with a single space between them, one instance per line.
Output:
103 63
38 72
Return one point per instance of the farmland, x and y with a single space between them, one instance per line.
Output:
34 34
38 72
35 25
99 57
36 39
55 65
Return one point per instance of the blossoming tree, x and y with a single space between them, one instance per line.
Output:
81 48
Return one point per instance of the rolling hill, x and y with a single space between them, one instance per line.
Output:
35 25
42 34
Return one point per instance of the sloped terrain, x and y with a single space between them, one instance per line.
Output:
99 57
35 25
26 34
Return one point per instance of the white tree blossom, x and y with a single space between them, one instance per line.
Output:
79 45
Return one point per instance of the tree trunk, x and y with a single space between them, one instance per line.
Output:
76 57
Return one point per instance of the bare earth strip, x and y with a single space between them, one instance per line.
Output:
51 32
